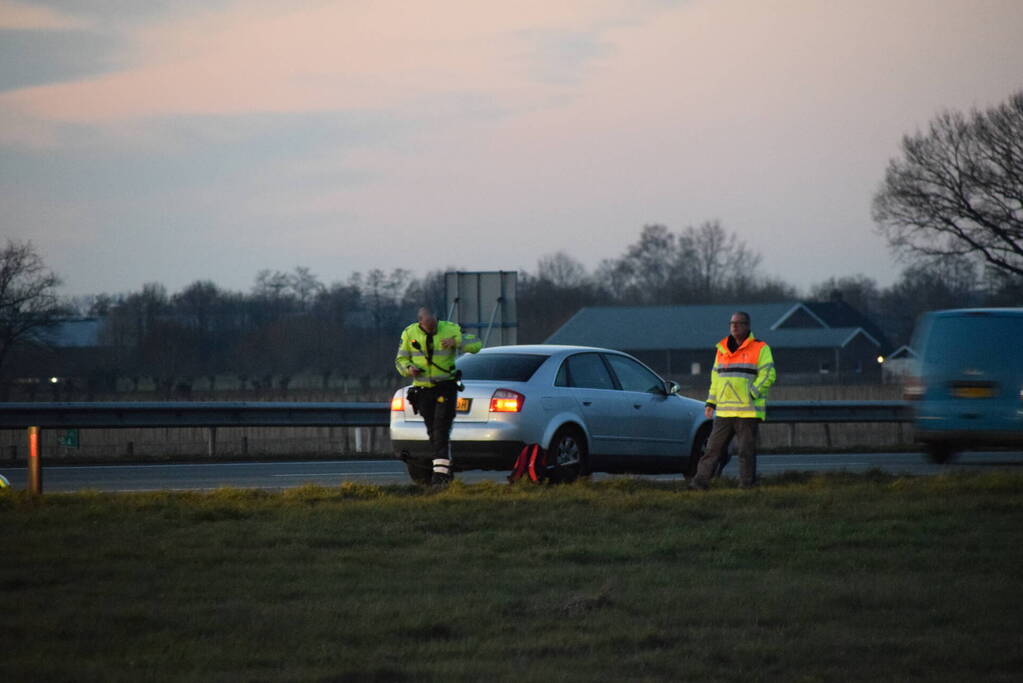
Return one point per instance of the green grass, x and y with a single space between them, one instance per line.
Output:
809 578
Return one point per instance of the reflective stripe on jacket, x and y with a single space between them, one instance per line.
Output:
443 366
740 379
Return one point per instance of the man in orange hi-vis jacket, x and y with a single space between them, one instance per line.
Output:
743 372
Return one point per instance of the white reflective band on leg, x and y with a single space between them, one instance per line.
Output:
443 465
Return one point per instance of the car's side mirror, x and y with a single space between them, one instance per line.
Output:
672 388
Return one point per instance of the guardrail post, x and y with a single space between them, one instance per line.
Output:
35 468
211 442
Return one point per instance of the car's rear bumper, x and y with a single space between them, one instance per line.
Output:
467 455
490 445
969 424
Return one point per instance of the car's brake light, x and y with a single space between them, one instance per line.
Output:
398 403
913 390
506 401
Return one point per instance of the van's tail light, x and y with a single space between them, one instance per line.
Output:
398 403
506 401
913 389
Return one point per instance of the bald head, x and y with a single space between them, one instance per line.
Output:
427 320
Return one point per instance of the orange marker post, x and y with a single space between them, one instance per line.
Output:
35 468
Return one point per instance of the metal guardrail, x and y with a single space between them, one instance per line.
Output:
193 414
37 416
283 414
839 411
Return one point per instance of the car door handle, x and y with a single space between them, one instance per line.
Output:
587 403
637 406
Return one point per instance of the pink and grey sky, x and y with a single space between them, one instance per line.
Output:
171 141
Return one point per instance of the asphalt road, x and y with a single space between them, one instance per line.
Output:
280 475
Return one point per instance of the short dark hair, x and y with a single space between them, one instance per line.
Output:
745 315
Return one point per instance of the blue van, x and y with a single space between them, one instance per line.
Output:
969 389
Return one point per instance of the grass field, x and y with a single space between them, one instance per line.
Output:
809 578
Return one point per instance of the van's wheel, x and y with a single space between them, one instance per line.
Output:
566 456
940 453
420 473
700 449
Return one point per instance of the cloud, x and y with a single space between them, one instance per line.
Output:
562 57
30 58
19 16
270 57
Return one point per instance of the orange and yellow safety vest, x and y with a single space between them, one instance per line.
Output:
740 379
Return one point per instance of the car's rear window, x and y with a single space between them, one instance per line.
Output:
971 338
506 367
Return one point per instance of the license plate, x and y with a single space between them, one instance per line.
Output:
463 405
973 392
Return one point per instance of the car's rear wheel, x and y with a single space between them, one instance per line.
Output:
940 452
566 457
419 472
700 449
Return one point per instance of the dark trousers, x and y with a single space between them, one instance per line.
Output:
744 430
437 405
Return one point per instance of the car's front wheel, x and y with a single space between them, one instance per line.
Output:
699 450
566 457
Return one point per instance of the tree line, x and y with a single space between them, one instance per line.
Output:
291 323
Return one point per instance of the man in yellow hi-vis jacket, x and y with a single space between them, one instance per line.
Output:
427 354
743 372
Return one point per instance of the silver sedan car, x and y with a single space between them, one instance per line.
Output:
594 410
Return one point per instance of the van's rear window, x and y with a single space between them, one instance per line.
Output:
505 367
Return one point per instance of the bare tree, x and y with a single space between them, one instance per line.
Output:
561 270
859 291
271 284
305 286
28 296
927 285
430 290
383 295
559 289
718 261
649 269
702 264
958 189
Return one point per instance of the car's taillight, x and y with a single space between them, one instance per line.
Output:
506 401
913 390
398 403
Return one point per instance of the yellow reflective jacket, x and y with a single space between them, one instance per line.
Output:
740 379
412 351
